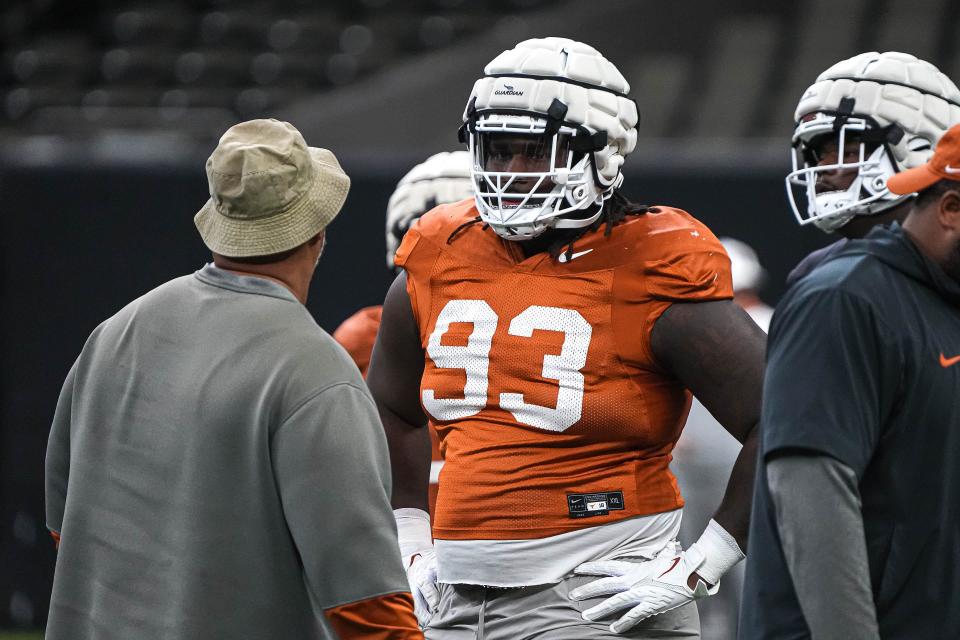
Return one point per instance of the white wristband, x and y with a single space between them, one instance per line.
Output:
413 531
720 552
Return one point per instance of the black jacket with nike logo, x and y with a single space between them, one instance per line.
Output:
863 365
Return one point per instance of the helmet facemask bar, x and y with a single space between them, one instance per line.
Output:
563 185
867 194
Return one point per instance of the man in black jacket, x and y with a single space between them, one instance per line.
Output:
855 531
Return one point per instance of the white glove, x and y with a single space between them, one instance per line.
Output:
659 585
419 560
422 577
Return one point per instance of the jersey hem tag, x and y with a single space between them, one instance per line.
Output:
588 505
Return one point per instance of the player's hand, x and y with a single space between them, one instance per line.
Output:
646 589
422 577
419 560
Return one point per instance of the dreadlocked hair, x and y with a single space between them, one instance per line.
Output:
615 210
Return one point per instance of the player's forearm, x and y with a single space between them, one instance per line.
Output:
409 460
733 513
828 564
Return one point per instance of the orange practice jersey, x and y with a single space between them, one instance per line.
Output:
357 334
552 412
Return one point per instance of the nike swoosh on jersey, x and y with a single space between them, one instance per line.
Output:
948 362
573 256
953 170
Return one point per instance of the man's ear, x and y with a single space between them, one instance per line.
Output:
948 210
312 242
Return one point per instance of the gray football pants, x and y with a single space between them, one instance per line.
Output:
469 612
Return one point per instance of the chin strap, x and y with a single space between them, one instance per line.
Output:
589 143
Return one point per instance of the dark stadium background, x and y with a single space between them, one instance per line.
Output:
109 108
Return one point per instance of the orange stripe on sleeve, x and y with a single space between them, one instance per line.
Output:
388 617
56 538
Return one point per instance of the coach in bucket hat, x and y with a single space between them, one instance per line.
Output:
233 407
269 191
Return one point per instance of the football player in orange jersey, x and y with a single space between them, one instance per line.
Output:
552 332
443 177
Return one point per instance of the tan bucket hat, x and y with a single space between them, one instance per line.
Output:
269 191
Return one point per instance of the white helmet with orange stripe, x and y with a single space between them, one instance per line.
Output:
548 127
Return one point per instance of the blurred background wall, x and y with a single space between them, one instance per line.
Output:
109 108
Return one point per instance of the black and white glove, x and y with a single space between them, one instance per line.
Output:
661 584
419 560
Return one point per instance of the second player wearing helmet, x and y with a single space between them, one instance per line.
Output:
863 120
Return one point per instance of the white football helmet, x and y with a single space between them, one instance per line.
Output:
894 105
571 104
443 177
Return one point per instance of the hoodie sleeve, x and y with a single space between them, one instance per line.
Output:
833 584
832 378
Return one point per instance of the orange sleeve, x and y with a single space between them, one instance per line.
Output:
358 333
416 255
388 617
407 245
679 260
688 264
431 232
685 263
422 246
